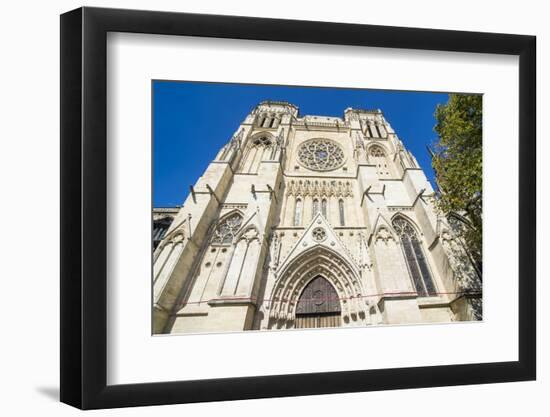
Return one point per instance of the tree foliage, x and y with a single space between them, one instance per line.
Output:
457 161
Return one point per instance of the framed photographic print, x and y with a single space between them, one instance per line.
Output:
257 208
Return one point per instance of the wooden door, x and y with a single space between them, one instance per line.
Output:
318 306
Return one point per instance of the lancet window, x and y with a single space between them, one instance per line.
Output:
414 255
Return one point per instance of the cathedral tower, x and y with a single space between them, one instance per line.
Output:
311 221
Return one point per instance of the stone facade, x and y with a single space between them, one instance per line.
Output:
292 198
162 219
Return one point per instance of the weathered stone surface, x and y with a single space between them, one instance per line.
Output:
269 215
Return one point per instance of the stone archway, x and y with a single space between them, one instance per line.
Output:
295 276
318 306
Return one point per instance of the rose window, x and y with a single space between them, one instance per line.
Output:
319 234
321 155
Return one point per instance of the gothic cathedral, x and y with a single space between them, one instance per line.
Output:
310 221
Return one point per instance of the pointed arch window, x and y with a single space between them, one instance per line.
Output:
315 207
227 229
378 158
414 255
341 212
160 227
324 207
298 212
257 150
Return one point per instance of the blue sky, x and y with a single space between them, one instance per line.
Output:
193 120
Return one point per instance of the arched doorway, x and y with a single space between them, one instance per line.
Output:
318 305
299 273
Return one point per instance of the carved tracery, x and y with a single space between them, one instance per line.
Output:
295 276
415 257
261 147
319 188
227 229
377 157
321 155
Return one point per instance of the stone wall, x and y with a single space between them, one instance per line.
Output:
351 178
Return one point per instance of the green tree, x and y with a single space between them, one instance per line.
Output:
457 161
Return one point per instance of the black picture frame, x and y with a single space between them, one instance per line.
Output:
84 207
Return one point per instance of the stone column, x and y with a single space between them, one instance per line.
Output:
392 269
284 206
235 268
398 302
250 264
383 130
161 259
307 210
162 279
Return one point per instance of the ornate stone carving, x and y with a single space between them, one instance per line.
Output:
359 140
227 229
376 152
319 188
404 228
262 141
384 234
319 261
275 248
365 261
229 206
250 235
321 155
280 138
179 236
319 234
234 144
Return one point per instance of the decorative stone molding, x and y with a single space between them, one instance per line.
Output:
179 236
176 235
280 138
400 208
230 148
365 261
234 206
318 260
250 234
277 107
321 155
231 301
319 188
404 227
384 235
275 250
359 140
166 210
227 228
319 234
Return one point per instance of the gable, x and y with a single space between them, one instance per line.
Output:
318 233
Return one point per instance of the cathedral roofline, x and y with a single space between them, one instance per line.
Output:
297 109
276 103
166 209
271 113
351 109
